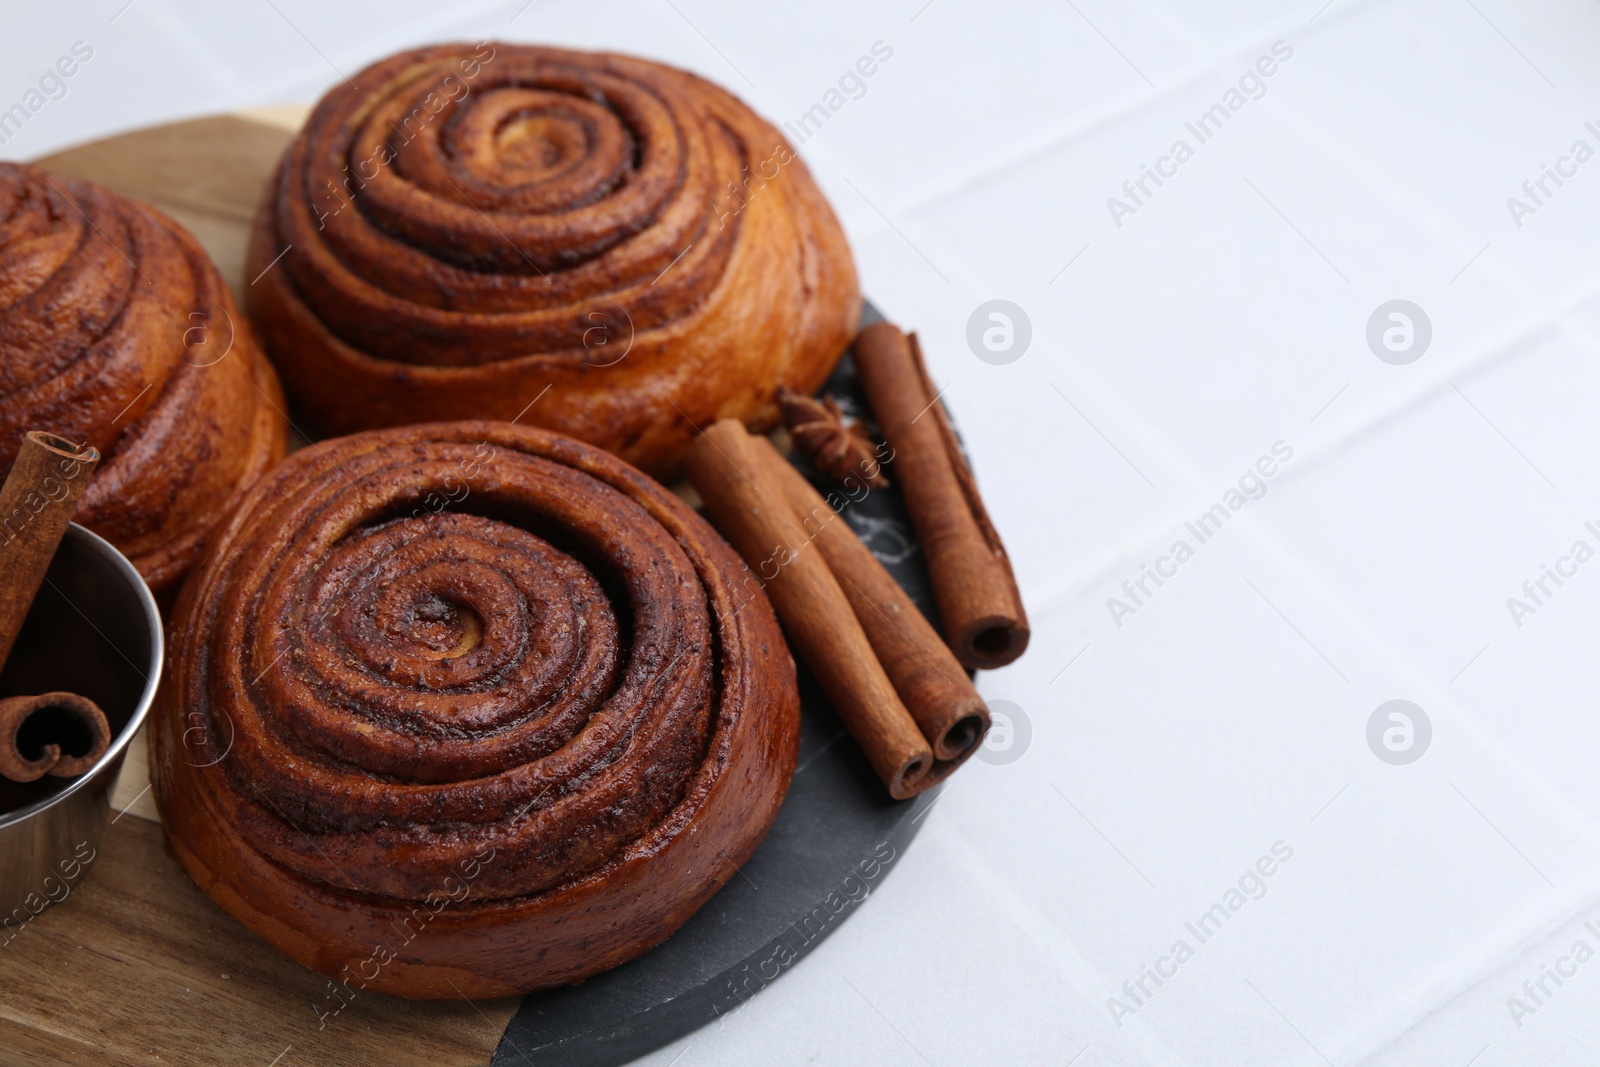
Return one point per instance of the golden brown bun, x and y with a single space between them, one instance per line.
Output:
479 699
116 329
466 226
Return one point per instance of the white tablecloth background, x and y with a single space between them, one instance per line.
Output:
1227 313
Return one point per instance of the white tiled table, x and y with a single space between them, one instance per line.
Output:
1226 314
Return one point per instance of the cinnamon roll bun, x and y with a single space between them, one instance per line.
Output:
116 330
469 709
602 245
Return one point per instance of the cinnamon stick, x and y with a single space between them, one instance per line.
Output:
61 734
750 509
932 685
36 505
979 604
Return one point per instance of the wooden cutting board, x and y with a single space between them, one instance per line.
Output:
137 966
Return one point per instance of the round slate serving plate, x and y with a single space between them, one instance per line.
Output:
836 838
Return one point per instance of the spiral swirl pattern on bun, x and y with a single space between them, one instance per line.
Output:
116 330
480 694
464 227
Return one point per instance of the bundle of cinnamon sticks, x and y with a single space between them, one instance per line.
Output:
903 692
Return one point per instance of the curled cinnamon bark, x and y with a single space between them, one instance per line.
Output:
932 685
117 330
36 506
60 734
750 507
462 227
980 607
478 694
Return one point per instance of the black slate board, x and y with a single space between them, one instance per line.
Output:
835 839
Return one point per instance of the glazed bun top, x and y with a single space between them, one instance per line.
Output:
468 230
116 330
